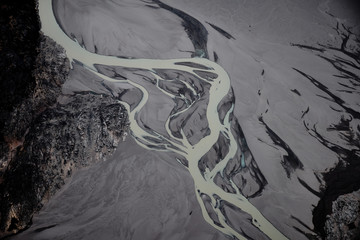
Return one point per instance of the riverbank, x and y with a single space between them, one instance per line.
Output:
45 137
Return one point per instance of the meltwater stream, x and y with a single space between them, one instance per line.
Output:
215 153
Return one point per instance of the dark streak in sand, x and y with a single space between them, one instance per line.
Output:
221 31
306 111
305 185
295 91
216 58
195 30
44 228
335 98
290 161
307 47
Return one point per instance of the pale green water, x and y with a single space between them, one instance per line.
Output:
220 86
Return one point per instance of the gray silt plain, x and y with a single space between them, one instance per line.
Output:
281 116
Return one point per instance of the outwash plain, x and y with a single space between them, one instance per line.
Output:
170 120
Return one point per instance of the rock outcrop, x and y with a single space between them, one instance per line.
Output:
48 135
19 38
344 222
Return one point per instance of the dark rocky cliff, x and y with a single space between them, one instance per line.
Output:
42 140
344 221
19 38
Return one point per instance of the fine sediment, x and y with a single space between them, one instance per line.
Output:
47 134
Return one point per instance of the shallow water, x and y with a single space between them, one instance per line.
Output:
224 114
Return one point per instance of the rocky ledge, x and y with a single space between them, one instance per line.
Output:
48 135
344 222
